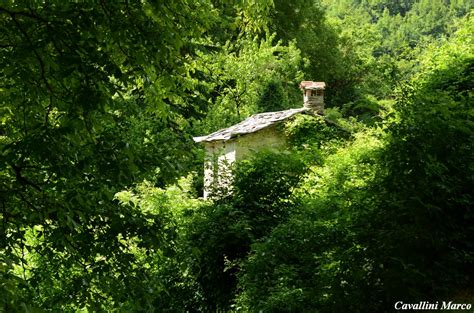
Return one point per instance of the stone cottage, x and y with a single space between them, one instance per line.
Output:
259 131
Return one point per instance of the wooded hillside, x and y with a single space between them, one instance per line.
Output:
101 204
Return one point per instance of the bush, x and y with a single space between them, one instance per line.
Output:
219 235
387 218
314 261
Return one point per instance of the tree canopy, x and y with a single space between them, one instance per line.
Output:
100 181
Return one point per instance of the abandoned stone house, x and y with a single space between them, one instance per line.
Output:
259 131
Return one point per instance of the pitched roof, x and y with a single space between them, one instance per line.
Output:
250 125
306 84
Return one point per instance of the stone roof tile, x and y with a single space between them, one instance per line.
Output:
250 125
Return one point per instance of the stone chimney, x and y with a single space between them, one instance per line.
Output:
313 95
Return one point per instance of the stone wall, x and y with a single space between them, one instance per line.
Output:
220 155
316 103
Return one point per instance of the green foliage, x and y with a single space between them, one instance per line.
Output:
381 42
263 184
219 235
430 162
88 105
273 98
305 22
367 109
314 137
371 205
312 262
239 74
313 130
389 216
167 280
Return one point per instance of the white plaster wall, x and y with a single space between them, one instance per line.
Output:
268 138
220 155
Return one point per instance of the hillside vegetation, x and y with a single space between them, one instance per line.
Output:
101 182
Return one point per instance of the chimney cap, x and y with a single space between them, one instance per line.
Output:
310 85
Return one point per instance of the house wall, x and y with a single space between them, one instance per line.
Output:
268 138
220 155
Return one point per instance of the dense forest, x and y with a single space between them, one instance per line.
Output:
101 184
